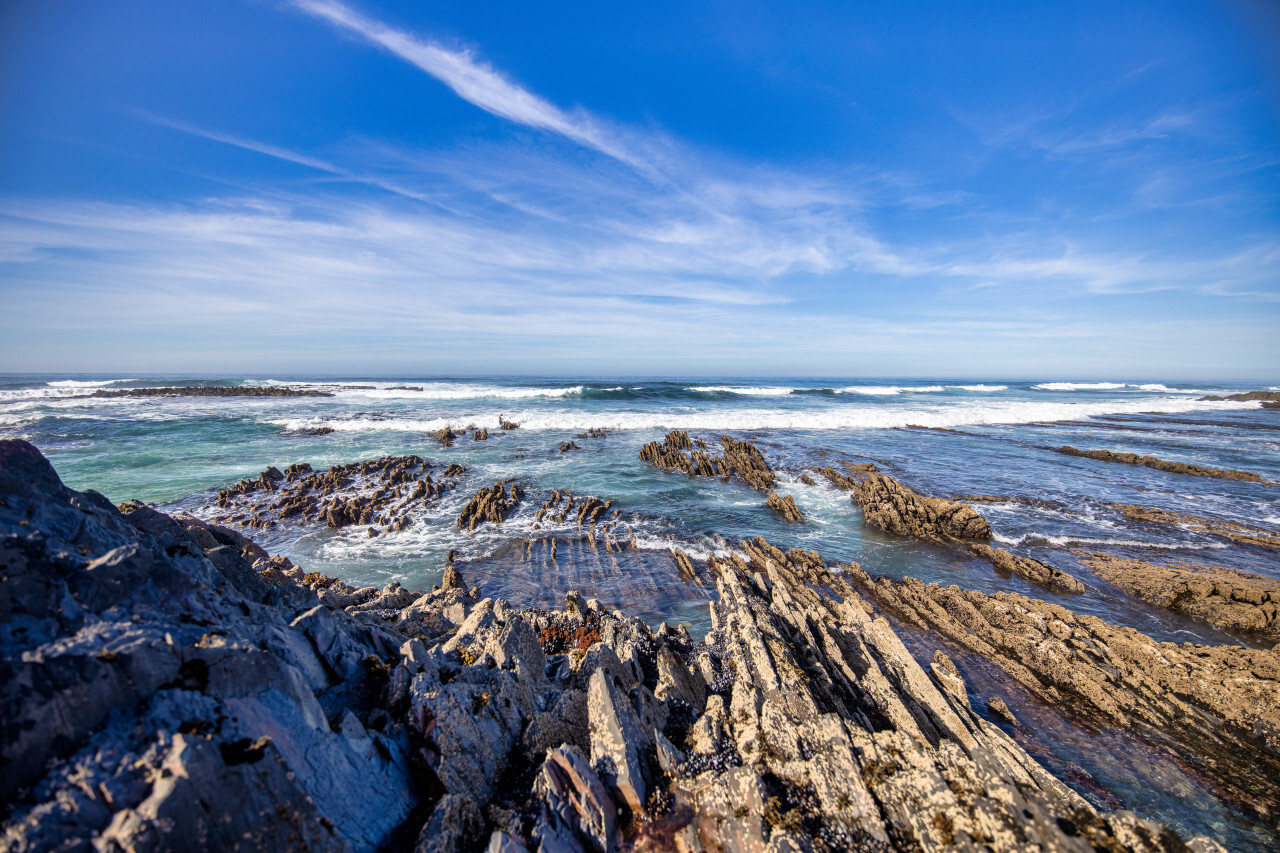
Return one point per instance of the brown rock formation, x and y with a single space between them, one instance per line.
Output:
895 508
1217 706
1270 396
807 480
1028 569
1229 599
503 423
480 434
566 446
1160 464
784 506
741 458
445 436
493 505
593 432
1243 533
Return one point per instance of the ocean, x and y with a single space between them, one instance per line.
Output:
945 437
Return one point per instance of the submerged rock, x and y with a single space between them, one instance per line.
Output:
1245 534
1160 464
214 391
1028 569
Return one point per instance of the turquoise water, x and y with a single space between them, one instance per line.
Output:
992 439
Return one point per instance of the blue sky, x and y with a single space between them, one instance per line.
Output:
1084 190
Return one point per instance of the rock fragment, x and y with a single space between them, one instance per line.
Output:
1160 464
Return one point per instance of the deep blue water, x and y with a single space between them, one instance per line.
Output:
178 452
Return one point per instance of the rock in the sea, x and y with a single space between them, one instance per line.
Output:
492 505
1160 464
1245 534
895 508
784 506
1227 598
1028 569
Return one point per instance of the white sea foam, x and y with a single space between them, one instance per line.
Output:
952 414
872 390
746 392
1079 386
1065 540
981 387
76 383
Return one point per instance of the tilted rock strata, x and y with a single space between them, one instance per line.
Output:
493 505
184 703
1218 705
895 508
1245 534
784 506
1028 569
741 458
1160 464
1229 599
383 492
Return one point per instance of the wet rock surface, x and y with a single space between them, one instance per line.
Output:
167 686
1217 707
1028 569
895 508
784 506
1160 464
845 481
382 494
1226 598
1245 534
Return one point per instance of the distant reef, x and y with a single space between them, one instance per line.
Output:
213 391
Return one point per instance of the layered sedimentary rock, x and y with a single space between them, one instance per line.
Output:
161 692
379 493
1218 706
1028 569
593 432
1245 534
1227 598
895 508
741 458
214 391
785 506
843 481
1160 464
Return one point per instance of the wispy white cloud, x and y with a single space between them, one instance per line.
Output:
477 82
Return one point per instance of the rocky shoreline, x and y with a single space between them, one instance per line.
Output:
167 684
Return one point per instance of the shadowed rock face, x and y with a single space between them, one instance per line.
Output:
895 508
1237 601
785 506
1218 706
493 505
160 691
1160 464
741 458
